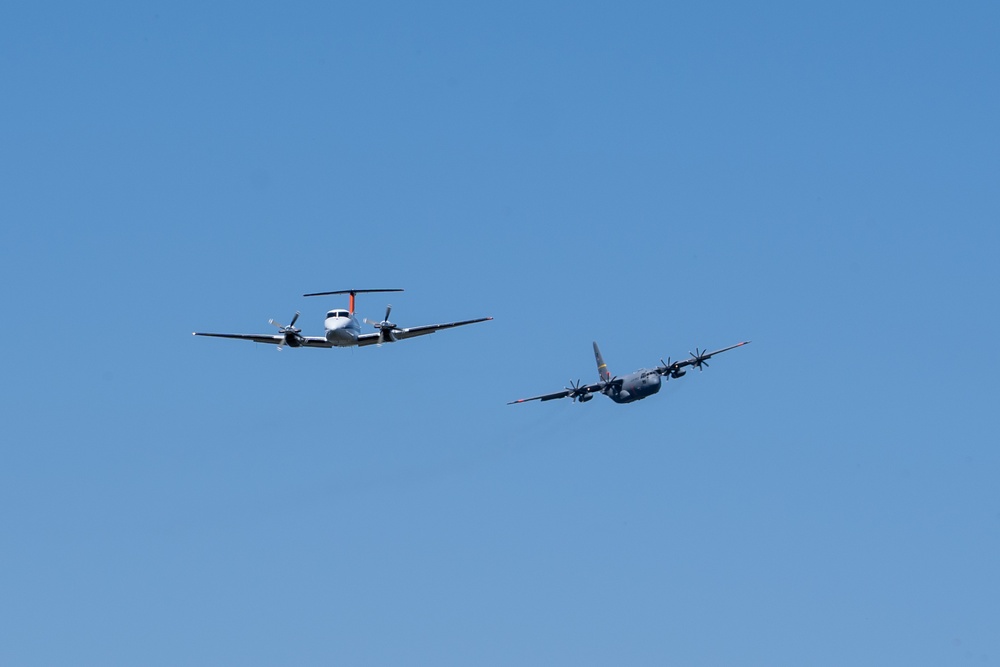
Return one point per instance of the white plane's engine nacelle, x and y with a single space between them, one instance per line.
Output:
289 334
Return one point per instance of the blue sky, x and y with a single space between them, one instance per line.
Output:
821 180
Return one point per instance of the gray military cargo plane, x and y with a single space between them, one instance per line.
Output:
342 328
634 386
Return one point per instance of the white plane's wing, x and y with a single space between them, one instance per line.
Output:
315 341
412 332
368 339
274 339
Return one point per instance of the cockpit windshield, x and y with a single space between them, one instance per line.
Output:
337 313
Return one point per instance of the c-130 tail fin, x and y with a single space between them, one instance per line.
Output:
602 368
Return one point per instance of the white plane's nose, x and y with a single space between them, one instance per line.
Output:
335 329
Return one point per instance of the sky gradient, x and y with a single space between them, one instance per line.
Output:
655 177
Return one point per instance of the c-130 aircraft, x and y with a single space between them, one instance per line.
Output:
632 387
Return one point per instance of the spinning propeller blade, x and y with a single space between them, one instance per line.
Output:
698 358
288 331
574 390
385 327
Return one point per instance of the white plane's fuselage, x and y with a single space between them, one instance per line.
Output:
342 328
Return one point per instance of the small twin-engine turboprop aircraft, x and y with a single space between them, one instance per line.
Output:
634 386
343 329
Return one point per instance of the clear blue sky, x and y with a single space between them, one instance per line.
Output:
653 176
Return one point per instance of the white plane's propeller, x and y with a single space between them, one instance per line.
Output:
385 327
290 333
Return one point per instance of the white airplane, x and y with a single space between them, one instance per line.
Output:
343 329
